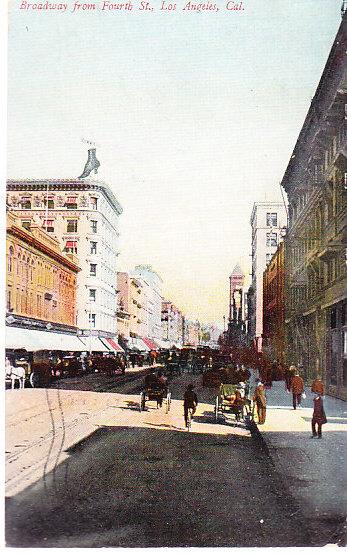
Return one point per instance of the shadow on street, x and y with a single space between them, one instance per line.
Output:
150 487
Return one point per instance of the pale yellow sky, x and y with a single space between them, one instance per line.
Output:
196 117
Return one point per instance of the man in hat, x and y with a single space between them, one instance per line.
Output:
260 400
297 388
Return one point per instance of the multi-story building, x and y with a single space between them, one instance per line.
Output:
151 284
274 307
268 221
40 290
236 283
82 215
192 332
315 245
172 324
123 307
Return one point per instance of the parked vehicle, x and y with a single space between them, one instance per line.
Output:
37 365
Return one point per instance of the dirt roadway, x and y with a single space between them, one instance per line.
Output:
100 473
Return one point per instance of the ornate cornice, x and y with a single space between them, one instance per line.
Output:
65 185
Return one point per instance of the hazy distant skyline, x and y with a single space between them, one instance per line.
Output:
195 115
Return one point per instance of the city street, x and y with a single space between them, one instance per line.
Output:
86 468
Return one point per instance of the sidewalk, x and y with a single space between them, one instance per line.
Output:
313 470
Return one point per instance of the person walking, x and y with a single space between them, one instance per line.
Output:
190 401
297 388
318 417
288 377
260 400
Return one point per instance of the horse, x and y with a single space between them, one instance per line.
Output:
15 373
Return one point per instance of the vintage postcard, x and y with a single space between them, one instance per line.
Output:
176 274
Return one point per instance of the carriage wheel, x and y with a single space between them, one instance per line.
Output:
216 409
142 401
34 379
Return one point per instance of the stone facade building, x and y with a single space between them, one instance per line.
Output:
274 307
172 321
268 220
82 214
315 246
40 291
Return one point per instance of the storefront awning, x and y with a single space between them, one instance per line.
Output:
93 343
112 345
40 340
163 344
150 344
137 344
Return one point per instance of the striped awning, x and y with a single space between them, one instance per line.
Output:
112 345
150 343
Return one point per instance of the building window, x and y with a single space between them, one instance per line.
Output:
92 295
92 269
71 226
268 257
25 203
92 320
10 259
93 247
26 224
71 203
48 225
70 247
271 239
9 301
93 226
271 219
94 203
49 203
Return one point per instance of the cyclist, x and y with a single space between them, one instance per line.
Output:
190 401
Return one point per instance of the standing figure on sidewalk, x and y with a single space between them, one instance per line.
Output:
260 400
297 389
319 417
317 386
288 377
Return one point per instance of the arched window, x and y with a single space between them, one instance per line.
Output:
10 259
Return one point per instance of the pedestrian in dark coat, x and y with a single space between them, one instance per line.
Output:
318 417
297 387
260 400
288 377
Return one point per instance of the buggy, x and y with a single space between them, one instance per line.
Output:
154 390
231 399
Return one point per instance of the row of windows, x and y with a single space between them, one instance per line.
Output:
71 203
319 278
72 226
29 304
31 268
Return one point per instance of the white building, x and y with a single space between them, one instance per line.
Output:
268 220
152 301
83 215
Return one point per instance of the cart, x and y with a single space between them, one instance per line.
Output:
158 393
231 400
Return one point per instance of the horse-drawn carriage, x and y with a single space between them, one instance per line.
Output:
155 389
232 399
